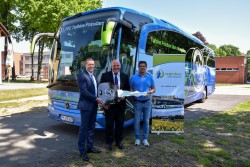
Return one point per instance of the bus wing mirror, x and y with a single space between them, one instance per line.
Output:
109 27
107 32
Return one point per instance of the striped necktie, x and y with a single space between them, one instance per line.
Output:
93 80
116 82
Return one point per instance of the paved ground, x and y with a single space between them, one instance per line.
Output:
224 98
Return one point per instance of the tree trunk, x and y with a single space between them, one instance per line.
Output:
40 59
5 56
13 71
32 67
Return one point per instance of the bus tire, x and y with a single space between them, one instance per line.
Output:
204 96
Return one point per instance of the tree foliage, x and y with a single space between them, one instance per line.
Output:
218 51
248 53
39 16
199 35
224 50
230 50
7 16
45 16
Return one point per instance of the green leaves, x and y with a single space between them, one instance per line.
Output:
225 50
29 17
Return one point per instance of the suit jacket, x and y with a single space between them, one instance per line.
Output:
124 82
87 99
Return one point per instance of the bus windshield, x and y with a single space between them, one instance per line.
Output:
78 40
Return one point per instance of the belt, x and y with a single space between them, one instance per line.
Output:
142 101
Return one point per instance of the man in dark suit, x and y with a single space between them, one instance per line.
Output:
87 104
115 113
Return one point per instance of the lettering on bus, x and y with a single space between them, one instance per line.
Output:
161 74
163 43
79 26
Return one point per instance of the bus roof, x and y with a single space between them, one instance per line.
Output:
157 21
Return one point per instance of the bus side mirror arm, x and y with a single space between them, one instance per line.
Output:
121 22
37 37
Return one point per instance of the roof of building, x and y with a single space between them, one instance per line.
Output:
3 31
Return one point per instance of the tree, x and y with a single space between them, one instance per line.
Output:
212 46
45 16
200 37
230 50
248 53
218 52
221 53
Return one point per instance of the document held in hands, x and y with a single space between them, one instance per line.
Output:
124 93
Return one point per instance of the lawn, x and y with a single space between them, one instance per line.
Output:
218 140
21 93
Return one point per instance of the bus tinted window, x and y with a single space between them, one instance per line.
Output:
167 42
137 20
211 61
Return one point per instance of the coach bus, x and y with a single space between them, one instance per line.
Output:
129 36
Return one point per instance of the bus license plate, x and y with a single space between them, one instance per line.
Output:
67 119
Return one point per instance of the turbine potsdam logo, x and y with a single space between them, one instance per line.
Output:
159 74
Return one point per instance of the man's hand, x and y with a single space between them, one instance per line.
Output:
99 101
106 107
121 98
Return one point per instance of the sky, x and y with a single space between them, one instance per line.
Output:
221 22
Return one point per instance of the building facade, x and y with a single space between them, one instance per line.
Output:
23 65
27 65
231 69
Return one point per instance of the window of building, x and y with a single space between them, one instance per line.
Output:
227 69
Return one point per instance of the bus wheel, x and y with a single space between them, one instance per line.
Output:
204 96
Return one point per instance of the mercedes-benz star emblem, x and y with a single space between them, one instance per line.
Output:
67 105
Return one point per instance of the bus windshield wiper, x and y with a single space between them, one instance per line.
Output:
61 81
53 84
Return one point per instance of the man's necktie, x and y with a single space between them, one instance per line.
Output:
116 82
93 80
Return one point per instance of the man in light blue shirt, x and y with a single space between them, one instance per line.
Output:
142 82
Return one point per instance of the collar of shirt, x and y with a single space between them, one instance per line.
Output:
118 74
90 73
141 75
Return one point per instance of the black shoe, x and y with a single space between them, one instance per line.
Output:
120 146
84 157
109 147
94 150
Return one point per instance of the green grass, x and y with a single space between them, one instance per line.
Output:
11 104
21 93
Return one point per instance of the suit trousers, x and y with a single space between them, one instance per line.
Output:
114 118
87 130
